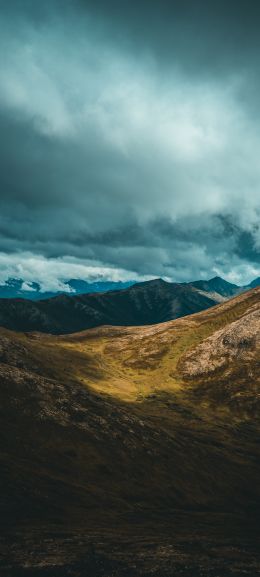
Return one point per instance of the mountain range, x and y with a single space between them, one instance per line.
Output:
144 303
19 288
134 450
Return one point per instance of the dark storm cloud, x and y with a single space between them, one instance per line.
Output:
197 33
205 36
129 138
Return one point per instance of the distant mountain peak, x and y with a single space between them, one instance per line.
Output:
219 279
154 282
158 281
217 285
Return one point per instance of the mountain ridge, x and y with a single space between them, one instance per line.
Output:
18 288
144 303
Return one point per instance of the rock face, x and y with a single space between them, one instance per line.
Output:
236 344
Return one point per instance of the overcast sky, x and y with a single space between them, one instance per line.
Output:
130 139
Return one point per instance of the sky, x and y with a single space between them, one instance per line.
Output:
130 140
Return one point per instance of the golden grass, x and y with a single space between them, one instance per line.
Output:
130 363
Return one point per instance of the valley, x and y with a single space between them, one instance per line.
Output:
133 450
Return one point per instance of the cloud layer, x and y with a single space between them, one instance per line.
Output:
130 139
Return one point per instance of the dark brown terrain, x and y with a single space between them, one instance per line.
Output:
133 451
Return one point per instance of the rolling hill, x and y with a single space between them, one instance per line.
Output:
144 436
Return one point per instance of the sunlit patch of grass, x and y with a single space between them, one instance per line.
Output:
130 363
